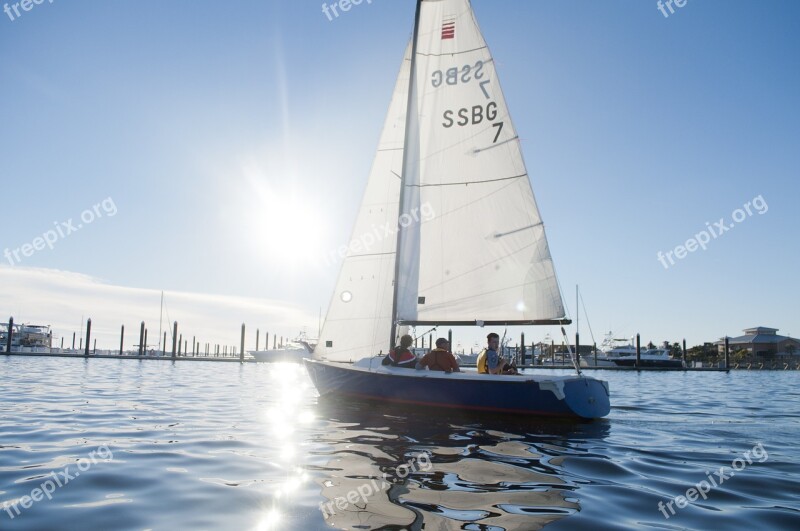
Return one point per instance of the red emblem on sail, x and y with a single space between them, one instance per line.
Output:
449 30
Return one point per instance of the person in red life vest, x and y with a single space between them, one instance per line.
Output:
401 356
440 358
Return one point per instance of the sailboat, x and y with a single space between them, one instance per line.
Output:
469 247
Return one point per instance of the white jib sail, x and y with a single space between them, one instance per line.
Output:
358 321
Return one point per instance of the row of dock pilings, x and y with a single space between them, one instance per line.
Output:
180 347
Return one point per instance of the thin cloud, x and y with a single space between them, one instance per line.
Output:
62 298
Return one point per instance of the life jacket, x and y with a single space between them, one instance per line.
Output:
483 367
401 357
436 366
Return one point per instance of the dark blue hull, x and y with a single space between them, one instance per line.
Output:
557 396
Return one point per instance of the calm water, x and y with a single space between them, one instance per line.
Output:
224 446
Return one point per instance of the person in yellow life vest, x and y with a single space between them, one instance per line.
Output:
490 362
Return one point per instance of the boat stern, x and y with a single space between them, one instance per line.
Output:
588 398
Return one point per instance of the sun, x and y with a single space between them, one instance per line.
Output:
282 223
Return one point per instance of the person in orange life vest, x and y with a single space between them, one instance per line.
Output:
401 356
440 358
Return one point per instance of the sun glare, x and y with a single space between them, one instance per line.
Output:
283 225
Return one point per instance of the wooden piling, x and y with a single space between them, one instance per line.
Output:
638 351
522 352
241 351
257 333
727 352
174 338
180 343
121 339
88 336
141 338
10 335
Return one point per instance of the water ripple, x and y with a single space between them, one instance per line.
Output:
224 446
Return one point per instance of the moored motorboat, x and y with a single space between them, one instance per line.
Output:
293 351
619 353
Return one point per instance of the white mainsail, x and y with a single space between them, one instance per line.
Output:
472 243
484 254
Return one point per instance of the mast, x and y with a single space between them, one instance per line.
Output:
412 83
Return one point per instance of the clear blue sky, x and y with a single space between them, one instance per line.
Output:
235 139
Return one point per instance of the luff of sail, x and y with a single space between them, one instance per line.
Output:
359 316
483 256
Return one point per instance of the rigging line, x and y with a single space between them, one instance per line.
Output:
370 254
166 310
571 355
467 183
587 318
478 200
422 335
450 54
563 300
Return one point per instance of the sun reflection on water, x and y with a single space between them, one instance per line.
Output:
282 423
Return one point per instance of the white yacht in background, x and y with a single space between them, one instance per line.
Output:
293 351
622 353
27 338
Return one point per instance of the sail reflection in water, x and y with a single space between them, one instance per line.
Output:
494 474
